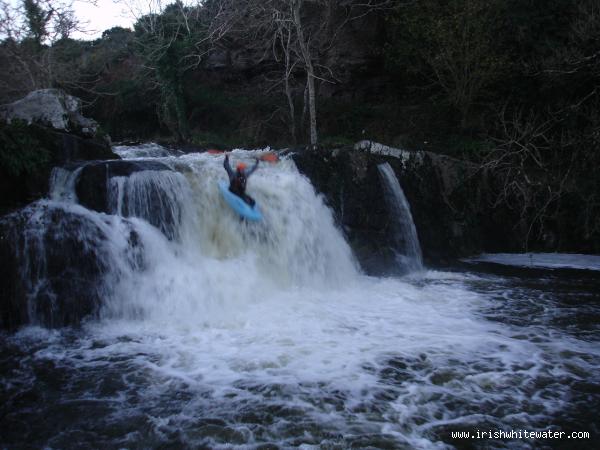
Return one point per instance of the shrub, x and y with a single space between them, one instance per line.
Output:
21 154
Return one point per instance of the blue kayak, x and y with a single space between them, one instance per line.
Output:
238 204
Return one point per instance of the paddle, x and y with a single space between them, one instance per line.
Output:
269 157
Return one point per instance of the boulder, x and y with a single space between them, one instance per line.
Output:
50 107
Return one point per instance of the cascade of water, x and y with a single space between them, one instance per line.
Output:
158 197
142 151
69 259
234 334
62 184
171 247
405 233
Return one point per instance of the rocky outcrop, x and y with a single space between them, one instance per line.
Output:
50 107
56 266
58 258
449 201
43 130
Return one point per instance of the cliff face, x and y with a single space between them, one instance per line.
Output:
449 199
349 64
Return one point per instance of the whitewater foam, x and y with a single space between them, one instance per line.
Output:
541 260
229 334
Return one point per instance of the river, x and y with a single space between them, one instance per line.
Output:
217 333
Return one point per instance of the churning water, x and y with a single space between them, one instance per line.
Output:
217 333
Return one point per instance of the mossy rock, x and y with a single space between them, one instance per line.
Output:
29 152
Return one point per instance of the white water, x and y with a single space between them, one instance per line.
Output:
197 254
541 260
149 150
62 184
160 197
408 249
226 319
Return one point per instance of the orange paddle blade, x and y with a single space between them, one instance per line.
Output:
269 157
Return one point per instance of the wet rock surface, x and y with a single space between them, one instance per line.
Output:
93 182
449 201
54 263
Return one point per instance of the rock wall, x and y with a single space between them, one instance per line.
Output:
449 199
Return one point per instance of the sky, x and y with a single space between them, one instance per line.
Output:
95 16
103 15
100 15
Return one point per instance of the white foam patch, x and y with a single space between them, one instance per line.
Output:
143 151
541 260
378 356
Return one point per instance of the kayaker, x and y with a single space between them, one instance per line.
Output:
237 179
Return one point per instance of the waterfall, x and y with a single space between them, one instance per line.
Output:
408 250
149 150
167 245
62 184
197 329
158 197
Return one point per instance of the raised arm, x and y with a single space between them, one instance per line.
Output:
250 171
228 167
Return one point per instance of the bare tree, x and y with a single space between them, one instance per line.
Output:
300 34
29 50
284 41
455 47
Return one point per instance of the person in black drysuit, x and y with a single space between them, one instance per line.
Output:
237 179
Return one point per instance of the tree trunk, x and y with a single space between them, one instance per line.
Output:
174 109
312 108
304 108
288 91
310 74
290 99
180 110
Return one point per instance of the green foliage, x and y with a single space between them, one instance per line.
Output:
116 35
21 154
345 118
521 80
129 111
169 44
452 45
37 20
235 118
